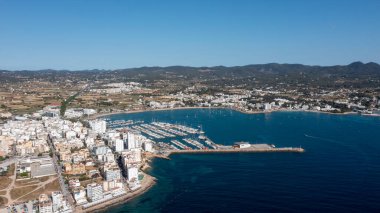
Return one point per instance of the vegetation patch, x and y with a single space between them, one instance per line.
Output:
66 102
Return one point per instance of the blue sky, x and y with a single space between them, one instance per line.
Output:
111 34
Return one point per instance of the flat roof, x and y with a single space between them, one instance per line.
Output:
242 142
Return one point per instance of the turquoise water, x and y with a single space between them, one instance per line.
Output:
339 172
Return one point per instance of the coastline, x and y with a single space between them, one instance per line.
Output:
151 181
147 183
100 115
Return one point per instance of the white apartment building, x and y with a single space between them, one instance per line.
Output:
112 174
119 145
99 126
267 106
94 192
44 204
148 147
59 203
79 196
131 140
132 172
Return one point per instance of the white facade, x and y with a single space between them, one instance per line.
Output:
148 146
102 150
132 157
136 153
119 145
45 204
131 140
71 134
45 207
132 172
267 106
112 185
244 145
89 111
112 174
94 192
79 196
59 203
99 126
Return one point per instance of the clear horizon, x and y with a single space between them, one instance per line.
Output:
83 35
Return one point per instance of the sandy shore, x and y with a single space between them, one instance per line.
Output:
146 184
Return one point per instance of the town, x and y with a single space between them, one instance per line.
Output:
52 164
250 89
57 153
43 153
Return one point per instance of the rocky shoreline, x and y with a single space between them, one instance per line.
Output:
147 183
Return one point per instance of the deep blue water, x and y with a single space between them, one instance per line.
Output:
339 172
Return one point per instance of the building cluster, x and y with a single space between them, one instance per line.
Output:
129 145
165 105
96 164
118 88
57 203
52 203
85 156
35 167
270 99
24 136
78 112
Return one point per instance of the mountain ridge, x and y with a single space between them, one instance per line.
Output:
353 65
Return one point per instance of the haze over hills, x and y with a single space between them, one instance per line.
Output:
275 67
356 74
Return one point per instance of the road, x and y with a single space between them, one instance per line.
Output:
58 168
10 161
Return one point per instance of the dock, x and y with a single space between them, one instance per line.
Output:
234 150
254 148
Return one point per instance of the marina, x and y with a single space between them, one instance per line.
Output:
178 138
180 145
228 162
162 130
171 140
195 143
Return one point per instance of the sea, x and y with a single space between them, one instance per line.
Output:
339 172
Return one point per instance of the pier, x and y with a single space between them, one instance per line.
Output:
230 149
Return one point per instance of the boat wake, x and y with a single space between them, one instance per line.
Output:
321 138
